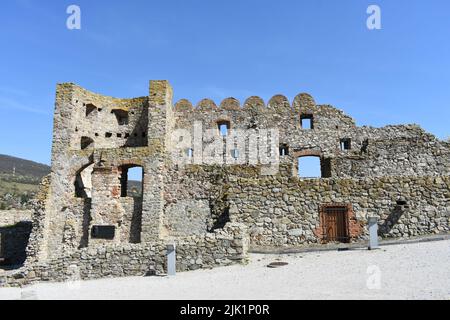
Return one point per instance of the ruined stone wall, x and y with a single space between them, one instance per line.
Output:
254 114
221 248
81 194
76 224
37 246
395 151
196 196
97 138
109 122
131 223
254 126
281 211
401 150
11 217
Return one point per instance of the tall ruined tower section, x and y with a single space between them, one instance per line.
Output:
159 129
96 141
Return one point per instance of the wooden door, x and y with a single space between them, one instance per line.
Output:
336 224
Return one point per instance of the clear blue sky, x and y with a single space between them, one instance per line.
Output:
221 48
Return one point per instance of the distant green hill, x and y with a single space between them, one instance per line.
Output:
19 185
23 168
19 180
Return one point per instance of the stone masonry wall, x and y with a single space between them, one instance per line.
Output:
109 122
281 212
221 248
400 150
10 217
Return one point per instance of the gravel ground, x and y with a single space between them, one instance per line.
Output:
409 271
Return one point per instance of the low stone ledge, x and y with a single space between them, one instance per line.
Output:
193 253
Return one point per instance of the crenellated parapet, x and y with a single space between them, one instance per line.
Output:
183 105
255 104
278 112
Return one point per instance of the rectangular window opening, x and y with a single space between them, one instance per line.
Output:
224 127
121 116
103 232
284 150
306 121
90 108
345 144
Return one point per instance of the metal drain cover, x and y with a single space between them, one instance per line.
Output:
277 264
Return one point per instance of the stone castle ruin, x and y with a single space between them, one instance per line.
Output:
218 181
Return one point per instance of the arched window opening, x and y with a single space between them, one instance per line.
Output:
131 181
224 127
83 182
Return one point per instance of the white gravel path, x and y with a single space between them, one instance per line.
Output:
412 271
